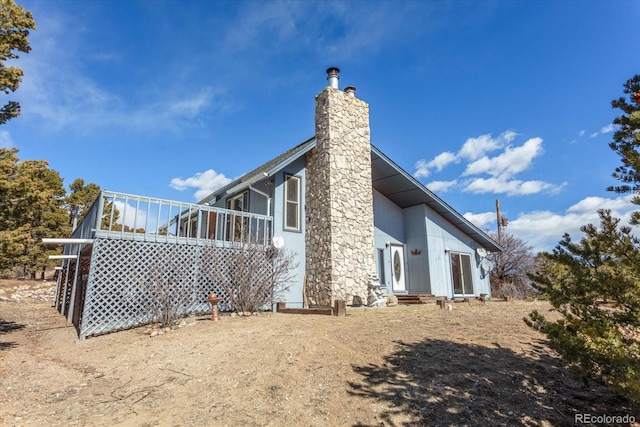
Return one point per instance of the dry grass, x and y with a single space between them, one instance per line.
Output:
474 365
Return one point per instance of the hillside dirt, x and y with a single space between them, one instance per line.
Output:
477 364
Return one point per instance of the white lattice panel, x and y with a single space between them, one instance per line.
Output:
126 278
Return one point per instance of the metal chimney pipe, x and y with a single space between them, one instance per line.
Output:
350 90
333 75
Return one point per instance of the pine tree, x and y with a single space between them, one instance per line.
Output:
15 23
81 198
31 208
595 284
626 142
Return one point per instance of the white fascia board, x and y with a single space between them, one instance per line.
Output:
66 241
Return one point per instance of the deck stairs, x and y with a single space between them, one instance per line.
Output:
407 299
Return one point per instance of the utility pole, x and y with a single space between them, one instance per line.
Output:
501 220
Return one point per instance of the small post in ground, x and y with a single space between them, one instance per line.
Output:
214 300
339 308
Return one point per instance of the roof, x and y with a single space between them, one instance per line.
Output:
404 190
387 177
263 171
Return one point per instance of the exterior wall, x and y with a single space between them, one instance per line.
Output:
440 235
294 241
339 198
388 228
417 263
258 203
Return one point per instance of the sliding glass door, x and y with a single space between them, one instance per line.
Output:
461 276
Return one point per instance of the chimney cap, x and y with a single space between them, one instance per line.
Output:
333 75
350 90
333 70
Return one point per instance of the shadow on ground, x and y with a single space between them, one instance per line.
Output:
7 327
435 382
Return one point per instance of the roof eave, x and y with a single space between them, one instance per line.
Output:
250 178
442 208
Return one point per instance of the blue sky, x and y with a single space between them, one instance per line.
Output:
480 101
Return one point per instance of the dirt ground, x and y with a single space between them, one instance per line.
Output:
409 365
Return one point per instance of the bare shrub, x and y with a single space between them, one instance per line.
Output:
253 276
164 292
509 278
517 290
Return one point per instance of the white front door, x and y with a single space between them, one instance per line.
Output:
397 268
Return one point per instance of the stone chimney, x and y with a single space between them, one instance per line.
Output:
339 199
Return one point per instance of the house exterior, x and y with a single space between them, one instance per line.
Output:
350 213
346 210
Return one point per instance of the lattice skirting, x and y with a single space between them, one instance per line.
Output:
128 280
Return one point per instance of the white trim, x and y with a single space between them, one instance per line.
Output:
54 241
297 202
63 256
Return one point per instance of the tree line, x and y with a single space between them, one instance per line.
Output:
34 205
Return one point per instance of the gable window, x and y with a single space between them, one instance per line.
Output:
291 202
237 224
461 274
239 202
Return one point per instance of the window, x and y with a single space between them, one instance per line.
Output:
291 202
237 227
239 202
461 274
383 281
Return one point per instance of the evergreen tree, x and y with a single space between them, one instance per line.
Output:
595 284
15 23
81 198
626 142
31 208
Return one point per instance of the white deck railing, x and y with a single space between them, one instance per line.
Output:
129 217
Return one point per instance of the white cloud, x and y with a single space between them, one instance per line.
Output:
502 168
59 92
508 164
438 163
582 132
544 229
327 30
5 139
605 129
129 216
472 149
206 182
621 205
441 186
193 105
608 128
475 148
514 187
481 220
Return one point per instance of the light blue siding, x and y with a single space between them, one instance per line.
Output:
294 241
417 249
388 229
443 235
